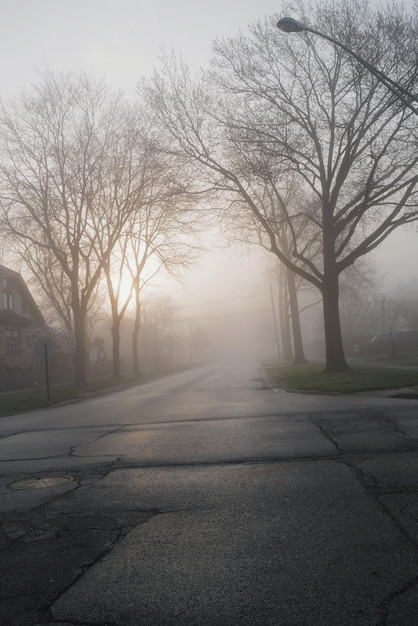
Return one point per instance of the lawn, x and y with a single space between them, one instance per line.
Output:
36 398
310 377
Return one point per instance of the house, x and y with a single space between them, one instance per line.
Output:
18 312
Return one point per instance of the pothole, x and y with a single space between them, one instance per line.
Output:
41 482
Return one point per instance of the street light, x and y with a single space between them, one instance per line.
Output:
290 25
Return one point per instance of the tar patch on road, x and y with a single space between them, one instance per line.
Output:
63 547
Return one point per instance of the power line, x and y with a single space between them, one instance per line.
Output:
188 306
211 317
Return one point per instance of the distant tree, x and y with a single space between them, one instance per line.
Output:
198 342
161 329
275 103
163 240
365 310
247 227
409 310
358 288
407 292
387 312
283 282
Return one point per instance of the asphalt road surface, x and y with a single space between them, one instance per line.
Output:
211 498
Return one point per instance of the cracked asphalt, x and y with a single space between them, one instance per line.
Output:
210 498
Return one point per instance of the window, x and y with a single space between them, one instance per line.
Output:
12 340
8 300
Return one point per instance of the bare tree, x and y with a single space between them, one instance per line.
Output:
387 312
160 328
163 239
365 309
249 229
57 150
127 190
273 103
156 237
358 292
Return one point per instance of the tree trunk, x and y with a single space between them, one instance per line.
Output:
80 357
334 350
116 347
299 354
278 352
135 334
287 351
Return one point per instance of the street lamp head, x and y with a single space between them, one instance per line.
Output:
290 25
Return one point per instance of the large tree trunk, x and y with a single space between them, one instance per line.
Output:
80 358
287 351
334 350
299 354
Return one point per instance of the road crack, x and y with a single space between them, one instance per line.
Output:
385 605
64 546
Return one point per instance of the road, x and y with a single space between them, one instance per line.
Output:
209 497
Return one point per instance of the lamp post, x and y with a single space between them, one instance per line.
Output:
290 25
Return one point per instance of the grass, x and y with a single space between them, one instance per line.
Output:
411 360
310 377
36 398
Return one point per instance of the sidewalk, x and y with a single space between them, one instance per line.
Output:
406 393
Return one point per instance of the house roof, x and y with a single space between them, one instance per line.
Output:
10 319
38 318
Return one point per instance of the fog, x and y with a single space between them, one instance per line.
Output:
397 258
228 295
120 41
225 298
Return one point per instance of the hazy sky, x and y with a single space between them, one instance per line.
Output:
121 40
117 39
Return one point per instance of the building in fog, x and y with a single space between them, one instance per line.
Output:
18 312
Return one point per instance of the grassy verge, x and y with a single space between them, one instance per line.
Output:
29 399
411 360
359 378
